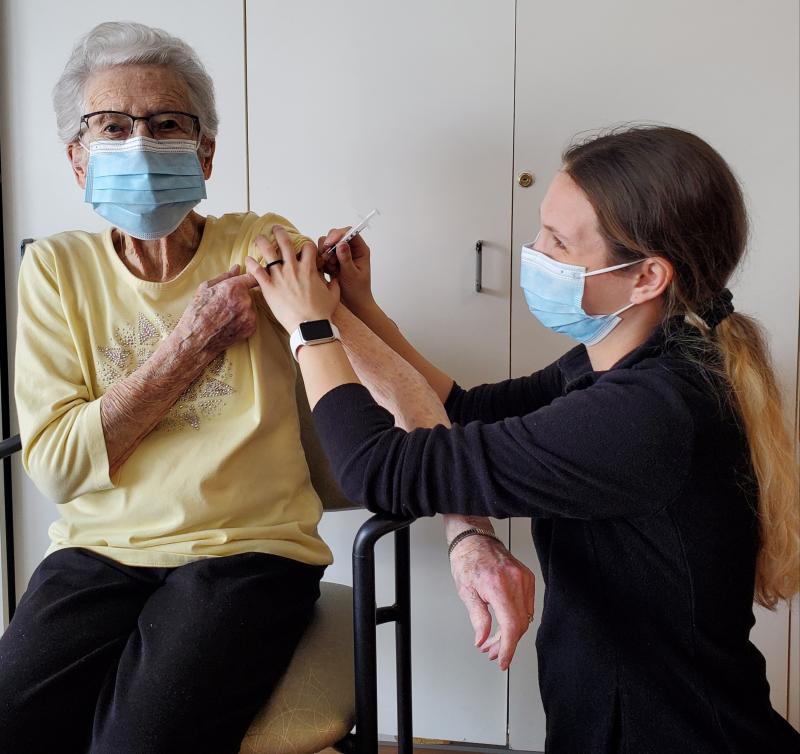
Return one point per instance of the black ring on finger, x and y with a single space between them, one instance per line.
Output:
269 264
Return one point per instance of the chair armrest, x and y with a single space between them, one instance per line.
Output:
10 446
367 616
374 528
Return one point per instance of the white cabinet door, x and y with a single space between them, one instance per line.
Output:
407 107
40 196
726 71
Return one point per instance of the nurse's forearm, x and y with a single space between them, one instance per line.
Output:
377 321
324 366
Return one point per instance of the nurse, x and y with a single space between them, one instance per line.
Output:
652 458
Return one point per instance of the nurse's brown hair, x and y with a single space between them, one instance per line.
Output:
660 191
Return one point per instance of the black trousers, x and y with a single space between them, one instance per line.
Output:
112 659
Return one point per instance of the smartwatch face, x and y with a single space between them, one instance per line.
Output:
318 329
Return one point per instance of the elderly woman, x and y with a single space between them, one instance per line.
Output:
156 407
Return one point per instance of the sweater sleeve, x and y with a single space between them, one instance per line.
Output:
516 397
63 446
620 448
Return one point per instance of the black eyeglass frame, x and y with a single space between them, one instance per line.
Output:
134 118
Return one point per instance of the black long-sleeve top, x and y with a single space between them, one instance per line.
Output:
643 506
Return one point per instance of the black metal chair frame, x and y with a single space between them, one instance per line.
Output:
366 618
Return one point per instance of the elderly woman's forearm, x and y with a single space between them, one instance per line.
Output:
388 331
394 383
454 524
132 408
407 395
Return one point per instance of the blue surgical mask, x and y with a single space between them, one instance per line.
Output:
144 186
554 292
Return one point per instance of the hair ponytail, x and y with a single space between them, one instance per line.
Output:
746 365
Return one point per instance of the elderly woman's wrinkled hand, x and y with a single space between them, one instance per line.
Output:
291 284
221 313
487 576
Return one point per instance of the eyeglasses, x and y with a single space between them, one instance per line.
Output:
109 124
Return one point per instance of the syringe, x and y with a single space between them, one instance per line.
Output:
354 231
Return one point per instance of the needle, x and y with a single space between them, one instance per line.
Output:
354 231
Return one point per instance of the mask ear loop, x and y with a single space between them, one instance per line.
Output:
611 269
615 267
624 309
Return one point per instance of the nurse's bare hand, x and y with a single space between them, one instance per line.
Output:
221 313
290 281
349 263
487 576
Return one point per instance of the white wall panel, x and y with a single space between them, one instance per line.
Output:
407 107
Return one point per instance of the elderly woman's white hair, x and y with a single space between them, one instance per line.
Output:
117 43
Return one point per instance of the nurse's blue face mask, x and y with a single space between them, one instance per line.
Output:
554 293
144 186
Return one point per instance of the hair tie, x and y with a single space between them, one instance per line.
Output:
718 308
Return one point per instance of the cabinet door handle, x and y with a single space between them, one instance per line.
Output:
478 266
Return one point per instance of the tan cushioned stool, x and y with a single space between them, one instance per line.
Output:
313 706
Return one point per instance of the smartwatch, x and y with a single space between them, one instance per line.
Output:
313 333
